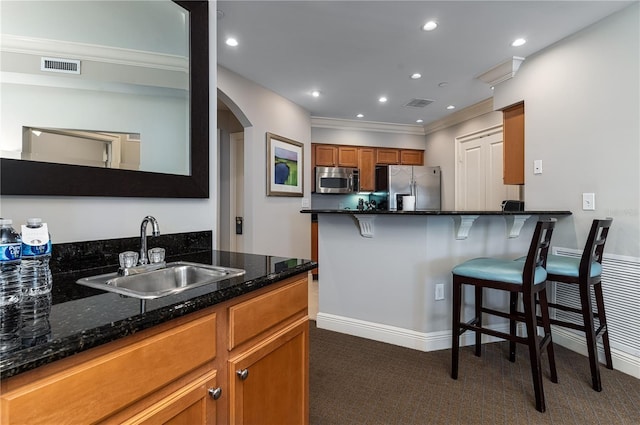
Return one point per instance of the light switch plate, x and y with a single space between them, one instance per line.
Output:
537 166
306 203
588 201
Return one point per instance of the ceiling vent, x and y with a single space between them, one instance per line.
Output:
418 103
67 66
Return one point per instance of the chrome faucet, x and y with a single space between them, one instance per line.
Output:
143 237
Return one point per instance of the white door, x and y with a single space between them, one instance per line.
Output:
479 183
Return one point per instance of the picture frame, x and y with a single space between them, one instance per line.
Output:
285 166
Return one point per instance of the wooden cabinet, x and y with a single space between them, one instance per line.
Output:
388 156
513 133
365 158
325 155
93 385
348 156
269 358
194 404
411 157
269 382
174 373
367 166
335 156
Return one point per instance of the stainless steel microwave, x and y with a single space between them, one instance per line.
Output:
337 180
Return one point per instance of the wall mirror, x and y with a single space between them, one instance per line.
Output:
141 80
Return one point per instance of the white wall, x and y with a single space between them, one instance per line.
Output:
73 219
582 105
440 150
273 225
352 137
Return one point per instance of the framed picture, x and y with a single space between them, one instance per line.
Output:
284 166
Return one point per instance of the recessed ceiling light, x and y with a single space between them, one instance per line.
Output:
416 76
382 99
360 116
443 84
430 26
315 93
231 42
518 42
419 121
451 107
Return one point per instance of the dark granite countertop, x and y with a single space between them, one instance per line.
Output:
82 317
432 212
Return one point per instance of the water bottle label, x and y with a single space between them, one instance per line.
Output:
35 241
35 250
10 251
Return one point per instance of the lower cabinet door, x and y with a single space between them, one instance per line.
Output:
194 404
269 383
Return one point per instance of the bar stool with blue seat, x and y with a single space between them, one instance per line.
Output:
586 272
528 278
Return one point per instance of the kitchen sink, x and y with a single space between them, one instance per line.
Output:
171 279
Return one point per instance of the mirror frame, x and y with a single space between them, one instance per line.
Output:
21 177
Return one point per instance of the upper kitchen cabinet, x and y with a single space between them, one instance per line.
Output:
325 155
335 156
367 166
387 156
348 156
513 133
411 157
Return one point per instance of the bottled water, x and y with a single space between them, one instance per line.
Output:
36 252
35 327
10 292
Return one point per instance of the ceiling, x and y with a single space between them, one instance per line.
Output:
353 52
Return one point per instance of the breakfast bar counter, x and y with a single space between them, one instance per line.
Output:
386 275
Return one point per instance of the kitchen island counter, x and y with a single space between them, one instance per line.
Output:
386 275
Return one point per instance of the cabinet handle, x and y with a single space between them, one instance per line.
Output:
215 393
243 374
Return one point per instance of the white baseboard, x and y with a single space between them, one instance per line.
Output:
429 341
441 340
622 361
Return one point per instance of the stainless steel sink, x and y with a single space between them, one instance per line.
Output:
172 279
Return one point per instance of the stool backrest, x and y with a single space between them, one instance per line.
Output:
538 250
594 247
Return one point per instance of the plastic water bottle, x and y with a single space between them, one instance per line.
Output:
10 286
36 252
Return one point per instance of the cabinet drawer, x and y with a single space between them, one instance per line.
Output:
258 314
101 386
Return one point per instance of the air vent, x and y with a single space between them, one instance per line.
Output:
418 103
67 66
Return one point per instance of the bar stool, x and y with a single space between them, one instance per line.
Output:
586 272
517 277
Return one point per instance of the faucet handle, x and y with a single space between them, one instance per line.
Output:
156 255
128 259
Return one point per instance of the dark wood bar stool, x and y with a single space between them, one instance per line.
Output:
517 277
586 272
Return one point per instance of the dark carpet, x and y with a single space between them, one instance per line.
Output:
358 381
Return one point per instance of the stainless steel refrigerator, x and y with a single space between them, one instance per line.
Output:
422 182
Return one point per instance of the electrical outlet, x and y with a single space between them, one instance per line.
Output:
588 201
439 291
306 203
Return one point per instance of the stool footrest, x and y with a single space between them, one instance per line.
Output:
569 309
602 329
498 334
471 323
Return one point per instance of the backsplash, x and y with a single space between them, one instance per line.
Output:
75 256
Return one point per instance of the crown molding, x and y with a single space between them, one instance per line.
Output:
357 125
470 112
83 51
